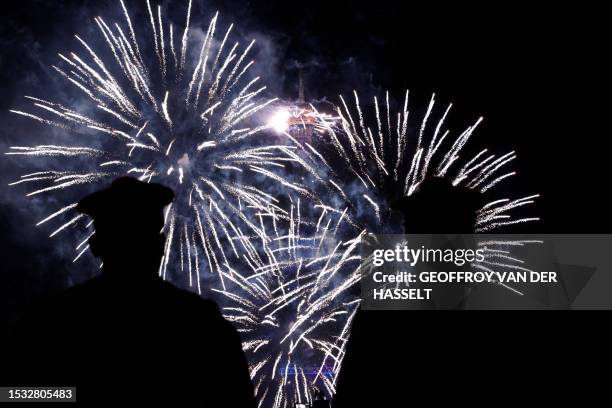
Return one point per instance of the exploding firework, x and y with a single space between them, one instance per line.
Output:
295 308
390 160
187 125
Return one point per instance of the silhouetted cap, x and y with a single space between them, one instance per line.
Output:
124 195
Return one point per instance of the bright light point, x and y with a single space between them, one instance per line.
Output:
280 121
184 160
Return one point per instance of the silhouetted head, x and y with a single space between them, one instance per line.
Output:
128 219
438 207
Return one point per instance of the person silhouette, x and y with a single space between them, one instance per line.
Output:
128 335
386 364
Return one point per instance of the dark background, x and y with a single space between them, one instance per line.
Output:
536 72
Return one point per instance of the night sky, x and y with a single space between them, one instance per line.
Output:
533 71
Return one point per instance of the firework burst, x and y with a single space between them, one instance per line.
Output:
390 159
187 125
295 306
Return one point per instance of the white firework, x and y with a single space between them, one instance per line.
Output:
386 154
